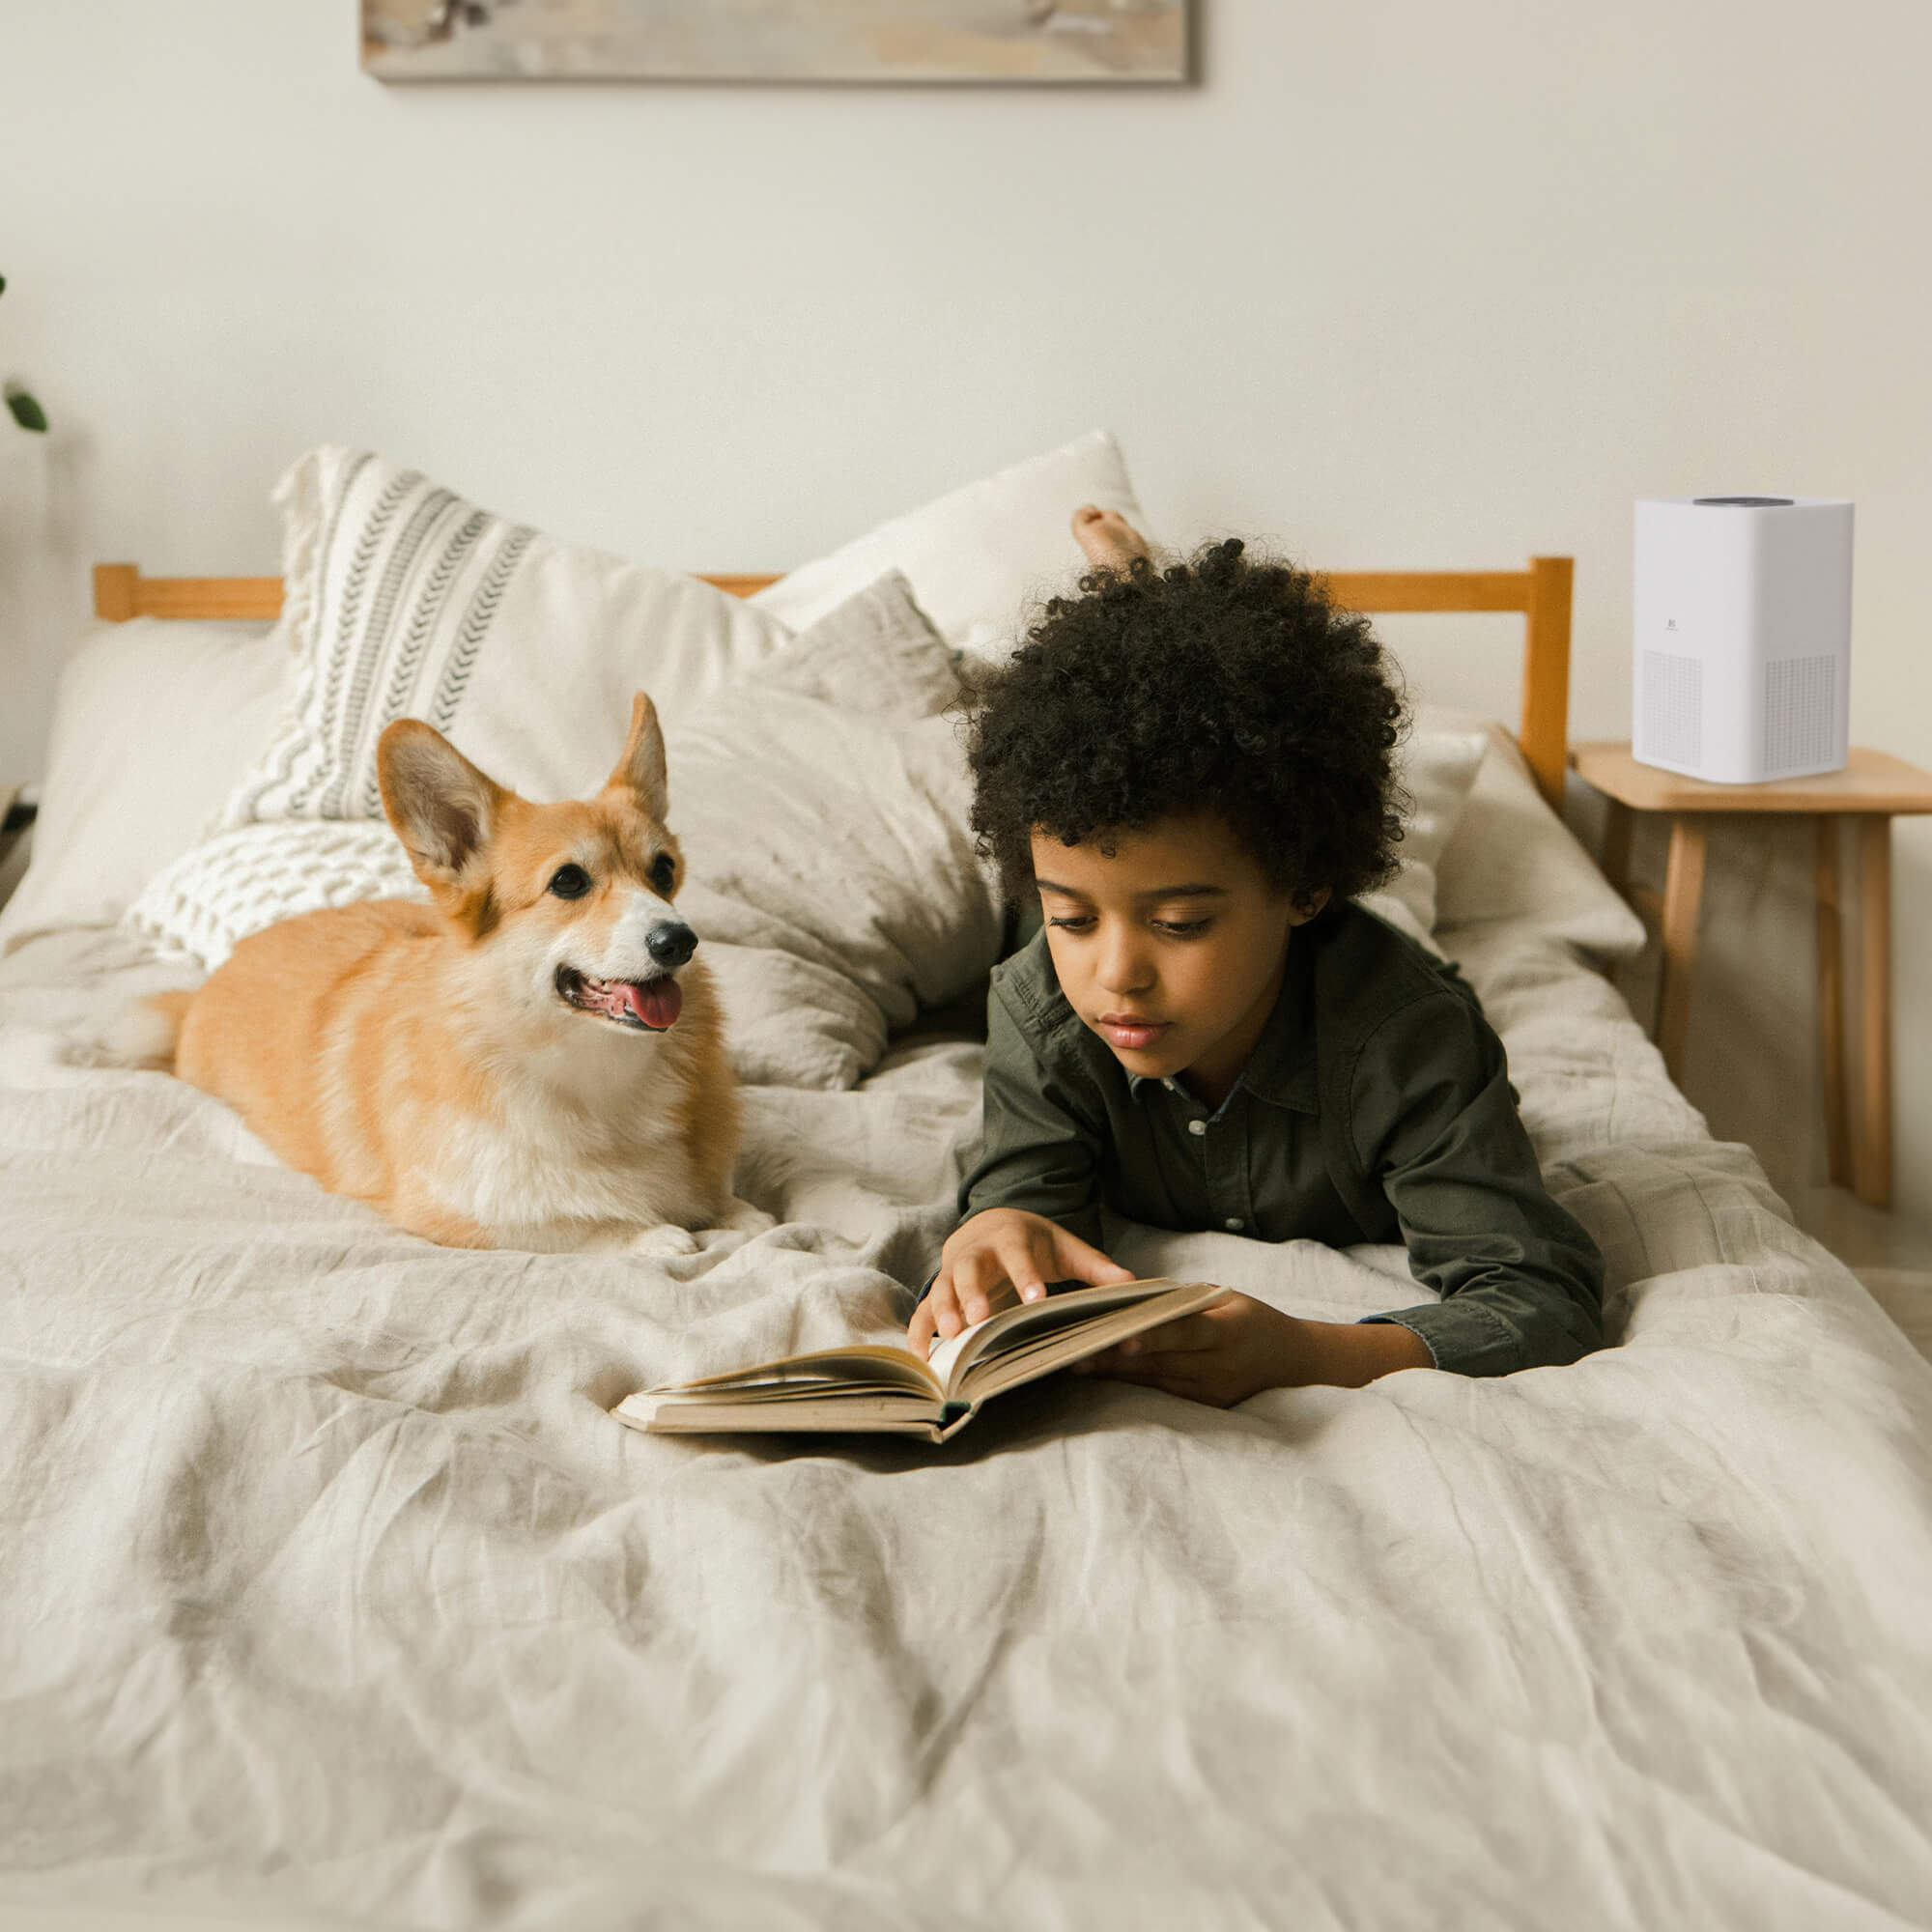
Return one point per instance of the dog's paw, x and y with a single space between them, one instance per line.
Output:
740 1217
663 1239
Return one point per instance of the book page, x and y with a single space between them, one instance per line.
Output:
1040 1322
1025 1357
877 1412
862 1363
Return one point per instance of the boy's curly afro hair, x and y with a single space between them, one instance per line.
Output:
1226 683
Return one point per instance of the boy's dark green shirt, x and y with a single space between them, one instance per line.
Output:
1376 1107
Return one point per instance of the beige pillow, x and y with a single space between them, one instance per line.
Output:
841 844
1510 857
831 871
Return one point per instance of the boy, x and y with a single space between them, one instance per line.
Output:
1192 771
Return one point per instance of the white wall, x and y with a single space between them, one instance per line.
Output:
1398 283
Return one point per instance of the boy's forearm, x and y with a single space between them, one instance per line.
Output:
1350 1354
1239 1346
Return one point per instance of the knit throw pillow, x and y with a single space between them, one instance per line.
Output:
241 882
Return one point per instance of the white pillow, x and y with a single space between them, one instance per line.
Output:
404 601
978 556
153 723
1510 857
1438 766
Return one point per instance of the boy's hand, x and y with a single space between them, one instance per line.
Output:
1241 1345
1001 1255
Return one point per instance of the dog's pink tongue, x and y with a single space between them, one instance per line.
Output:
656 1002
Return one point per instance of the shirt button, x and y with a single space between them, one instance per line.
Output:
1234 1224
1197 1128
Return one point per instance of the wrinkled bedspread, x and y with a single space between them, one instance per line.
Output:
332 1594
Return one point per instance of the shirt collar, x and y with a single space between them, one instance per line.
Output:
1281 1070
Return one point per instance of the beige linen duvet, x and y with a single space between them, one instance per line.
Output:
331 1593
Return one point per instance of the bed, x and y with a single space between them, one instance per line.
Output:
334 1596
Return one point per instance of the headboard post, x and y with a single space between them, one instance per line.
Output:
1546 674
114 589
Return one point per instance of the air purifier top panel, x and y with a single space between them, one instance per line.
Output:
1755 502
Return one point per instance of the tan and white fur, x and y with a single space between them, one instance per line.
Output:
490 1070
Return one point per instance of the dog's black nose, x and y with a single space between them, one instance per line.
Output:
671 943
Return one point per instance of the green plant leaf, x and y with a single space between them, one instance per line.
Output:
27 412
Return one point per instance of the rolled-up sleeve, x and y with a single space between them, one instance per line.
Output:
1041 1147
1433 1122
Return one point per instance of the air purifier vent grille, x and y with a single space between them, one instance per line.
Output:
1673 707
1799 727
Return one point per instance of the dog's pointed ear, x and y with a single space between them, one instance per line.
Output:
641 764
443 807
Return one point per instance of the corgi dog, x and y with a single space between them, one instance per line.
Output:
535 1060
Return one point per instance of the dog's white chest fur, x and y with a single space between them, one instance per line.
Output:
567 1162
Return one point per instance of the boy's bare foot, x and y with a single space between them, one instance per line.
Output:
1109 541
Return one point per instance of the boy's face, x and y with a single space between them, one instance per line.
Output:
1172 950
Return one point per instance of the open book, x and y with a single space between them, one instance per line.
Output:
891 1391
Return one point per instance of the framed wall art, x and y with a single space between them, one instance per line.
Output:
1093 41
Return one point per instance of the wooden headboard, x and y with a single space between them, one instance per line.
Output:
1542 593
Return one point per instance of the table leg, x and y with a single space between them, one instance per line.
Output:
1683 893
1617 846
1832 1003
1874 1145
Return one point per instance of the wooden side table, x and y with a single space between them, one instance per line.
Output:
1871 790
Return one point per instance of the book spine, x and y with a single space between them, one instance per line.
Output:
952 1418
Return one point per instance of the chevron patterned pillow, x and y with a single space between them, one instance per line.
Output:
404 601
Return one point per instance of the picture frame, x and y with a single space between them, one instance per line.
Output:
1011 42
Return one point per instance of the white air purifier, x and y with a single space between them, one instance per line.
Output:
1743 636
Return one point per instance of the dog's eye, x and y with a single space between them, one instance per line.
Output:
570 882
664 871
